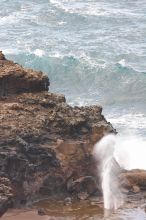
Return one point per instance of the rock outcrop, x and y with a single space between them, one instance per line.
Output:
15 79
45 144
6 195
133 181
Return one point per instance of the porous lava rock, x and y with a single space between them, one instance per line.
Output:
6 195
133 180
45 144
15 79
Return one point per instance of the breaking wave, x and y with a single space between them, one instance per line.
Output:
93 51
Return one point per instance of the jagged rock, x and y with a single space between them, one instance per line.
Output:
83 184
41 211
83 195
136 189
2 57
67 201
133 180
15 79
44 142
6 195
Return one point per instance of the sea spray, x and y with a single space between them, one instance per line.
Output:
108 169
130 151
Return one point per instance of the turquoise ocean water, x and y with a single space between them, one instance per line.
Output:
93 51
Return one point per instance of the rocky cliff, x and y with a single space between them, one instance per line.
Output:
14 79
45 144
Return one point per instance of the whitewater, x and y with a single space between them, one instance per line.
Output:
94 52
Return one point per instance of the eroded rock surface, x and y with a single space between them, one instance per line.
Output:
45 144
134 180
15 79
6 195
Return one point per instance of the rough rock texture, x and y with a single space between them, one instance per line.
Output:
6 195
15 79
45 144
134 180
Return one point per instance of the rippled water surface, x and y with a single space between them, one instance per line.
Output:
78 211
93 51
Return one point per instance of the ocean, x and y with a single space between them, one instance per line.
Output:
94 52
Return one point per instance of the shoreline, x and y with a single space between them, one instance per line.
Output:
46 144
77 210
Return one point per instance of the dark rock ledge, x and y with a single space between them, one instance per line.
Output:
45 144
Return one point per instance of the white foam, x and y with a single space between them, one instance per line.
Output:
10 19
135 214
127 151
61 23
10 51
92 8
39 52
129 120
82 57
57 54
130 152
82 8
122 63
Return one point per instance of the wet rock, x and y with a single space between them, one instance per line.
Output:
134 180
41 211
83 195
6 195
45 144
145 208
86 185
2 57
68 201
124 191
136 189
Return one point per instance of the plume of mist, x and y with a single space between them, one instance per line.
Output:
130 152
113 153
108 169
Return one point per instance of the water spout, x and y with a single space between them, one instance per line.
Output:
108 169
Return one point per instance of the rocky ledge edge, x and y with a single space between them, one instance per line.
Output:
45 144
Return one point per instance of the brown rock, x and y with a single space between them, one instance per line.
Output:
44 142
83 195
14 79
85 184
136 189
67 201
2 57
6 195
41 211
134 180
